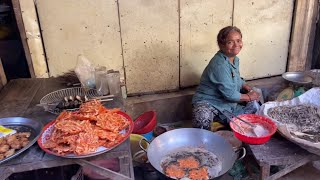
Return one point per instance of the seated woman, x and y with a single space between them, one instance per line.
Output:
220 83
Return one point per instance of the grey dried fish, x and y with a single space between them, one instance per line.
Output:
305 117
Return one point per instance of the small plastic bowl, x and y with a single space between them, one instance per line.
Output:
267 123
145 123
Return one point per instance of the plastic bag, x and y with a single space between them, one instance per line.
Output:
85 72
256 105
251 107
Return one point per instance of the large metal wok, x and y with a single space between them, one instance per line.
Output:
192 137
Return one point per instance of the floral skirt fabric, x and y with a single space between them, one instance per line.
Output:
203 114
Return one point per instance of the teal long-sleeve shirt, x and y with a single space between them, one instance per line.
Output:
220 84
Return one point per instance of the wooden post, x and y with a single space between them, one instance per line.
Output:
302 36
22 31
33 37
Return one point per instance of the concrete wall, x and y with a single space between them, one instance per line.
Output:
163 45
176 107
150 39
266 27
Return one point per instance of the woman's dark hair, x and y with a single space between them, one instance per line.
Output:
223 33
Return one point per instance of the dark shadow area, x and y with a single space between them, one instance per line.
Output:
61 173
11 48
316 48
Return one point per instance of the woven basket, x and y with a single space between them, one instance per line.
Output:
315 74
58 96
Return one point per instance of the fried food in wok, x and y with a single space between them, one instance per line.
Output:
189 162
175 171
84 131
199 174
11 143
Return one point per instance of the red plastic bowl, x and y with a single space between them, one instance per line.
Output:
145 123
255 119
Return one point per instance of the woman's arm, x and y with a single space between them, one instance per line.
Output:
250 96
246 87
245 98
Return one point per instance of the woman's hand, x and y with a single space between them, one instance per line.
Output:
253 95
246 87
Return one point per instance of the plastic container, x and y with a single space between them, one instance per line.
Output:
113 80
148 135
255 119
101 80
134 143
145 123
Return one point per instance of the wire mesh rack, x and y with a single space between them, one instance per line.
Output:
49 102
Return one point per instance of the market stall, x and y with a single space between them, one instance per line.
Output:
19 99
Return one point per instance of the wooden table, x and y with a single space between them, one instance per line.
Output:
280 152
19 98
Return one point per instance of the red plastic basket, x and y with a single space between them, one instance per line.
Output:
255 119
145 123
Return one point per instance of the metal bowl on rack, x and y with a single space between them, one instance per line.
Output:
49 102
297 77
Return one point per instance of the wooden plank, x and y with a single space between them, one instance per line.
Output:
17 96
34 40
102 170
36 165
150 39
200 22
83 27
5 173
302 36
290 168
264 171
278 151
22 32
32 154
266 27
23 89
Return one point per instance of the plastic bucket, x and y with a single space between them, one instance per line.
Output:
134 143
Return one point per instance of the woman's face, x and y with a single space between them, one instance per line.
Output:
233 44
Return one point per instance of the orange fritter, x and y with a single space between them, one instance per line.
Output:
199 174
174 171
84 131
189 162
